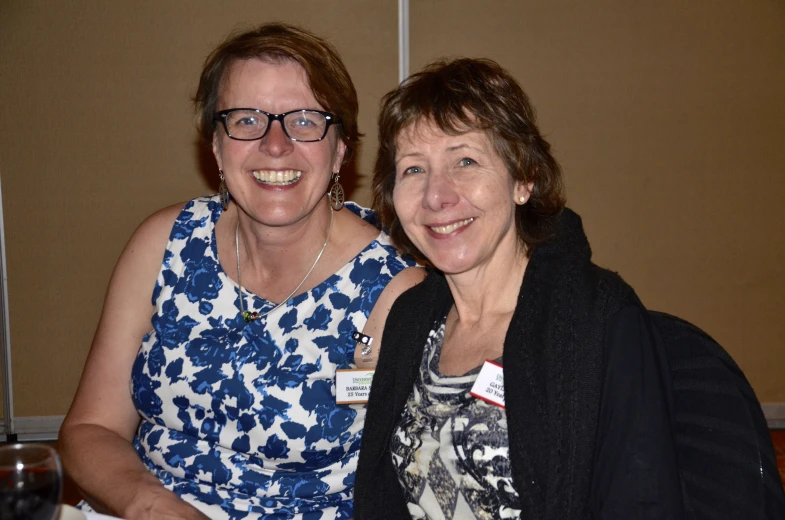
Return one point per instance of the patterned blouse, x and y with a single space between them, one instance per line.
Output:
239 418
451 450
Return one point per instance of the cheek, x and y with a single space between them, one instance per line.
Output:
231 151
405 204
491 190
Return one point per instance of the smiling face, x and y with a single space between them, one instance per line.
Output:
274 180
455 199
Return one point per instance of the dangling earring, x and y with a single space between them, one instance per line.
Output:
336 192
223 191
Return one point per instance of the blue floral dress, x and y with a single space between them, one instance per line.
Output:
239 418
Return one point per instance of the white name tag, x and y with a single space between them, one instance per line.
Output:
489 385
352 385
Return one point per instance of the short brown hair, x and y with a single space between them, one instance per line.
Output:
329 80
463 95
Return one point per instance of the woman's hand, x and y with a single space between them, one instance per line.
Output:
155 502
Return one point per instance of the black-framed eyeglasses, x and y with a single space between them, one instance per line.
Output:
250 124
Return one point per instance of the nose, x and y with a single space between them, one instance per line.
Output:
276 142
440 191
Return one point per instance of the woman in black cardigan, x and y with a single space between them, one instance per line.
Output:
519 379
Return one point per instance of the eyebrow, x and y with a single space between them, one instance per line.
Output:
457 147
399 158
449 149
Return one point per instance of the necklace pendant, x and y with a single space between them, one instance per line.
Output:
249 316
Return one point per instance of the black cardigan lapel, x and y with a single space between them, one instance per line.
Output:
380 496
553 373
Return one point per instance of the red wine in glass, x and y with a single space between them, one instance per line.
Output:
30 482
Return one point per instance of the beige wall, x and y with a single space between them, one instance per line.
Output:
668 119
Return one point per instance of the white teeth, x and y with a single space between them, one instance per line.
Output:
277 178
446 230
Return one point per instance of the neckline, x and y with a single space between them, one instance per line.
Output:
433 354
296 298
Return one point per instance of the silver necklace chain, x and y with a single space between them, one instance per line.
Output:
249 316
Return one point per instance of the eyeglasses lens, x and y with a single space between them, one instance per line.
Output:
302 125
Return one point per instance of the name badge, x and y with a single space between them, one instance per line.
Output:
489 385
352 385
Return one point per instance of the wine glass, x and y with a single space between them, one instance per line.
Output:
30 482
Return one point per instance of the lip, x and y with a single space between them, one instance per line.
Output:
450 228
277 178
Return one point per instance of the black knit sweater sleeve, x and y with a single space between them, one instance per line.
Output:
377 493
636 473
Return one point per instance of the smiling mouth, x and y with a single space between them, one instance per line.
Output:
449 228
277 178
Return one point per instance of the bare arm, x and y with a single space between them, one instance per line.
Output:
374 327
95 438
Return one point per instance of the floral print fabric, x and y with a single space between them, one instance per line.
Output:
240 418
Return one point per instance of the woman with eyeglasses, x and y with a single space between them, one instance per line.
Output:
210 388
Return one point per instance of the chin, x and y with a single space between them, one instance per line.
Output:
450 260
451 267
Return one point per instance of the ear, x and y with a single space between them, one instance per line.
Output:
217 150
522 192
340 153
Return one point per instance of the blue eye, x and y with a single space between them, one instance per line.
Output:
412 169
302 122
467 162
247 121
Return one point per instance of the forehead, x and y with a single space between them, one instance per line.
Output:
273 86
426 133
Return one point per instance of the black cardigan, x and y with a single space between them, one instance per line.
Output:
553 378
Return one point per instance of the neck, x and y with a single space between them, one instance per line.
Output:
275 249
250 315
489 291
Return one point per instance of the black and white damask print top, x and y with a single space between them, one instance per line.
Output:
451 450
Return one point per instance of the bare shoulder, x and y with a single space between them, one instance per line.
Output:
400 283
360 233
144 251
355 230
137 268
350 235
133 279
154 230
102 397
374 327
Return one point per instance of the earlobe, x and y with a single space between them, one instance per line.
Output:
522 192
217 152
339 155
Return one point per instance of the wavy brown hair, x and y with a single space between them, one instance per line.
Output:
329 80
464 95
